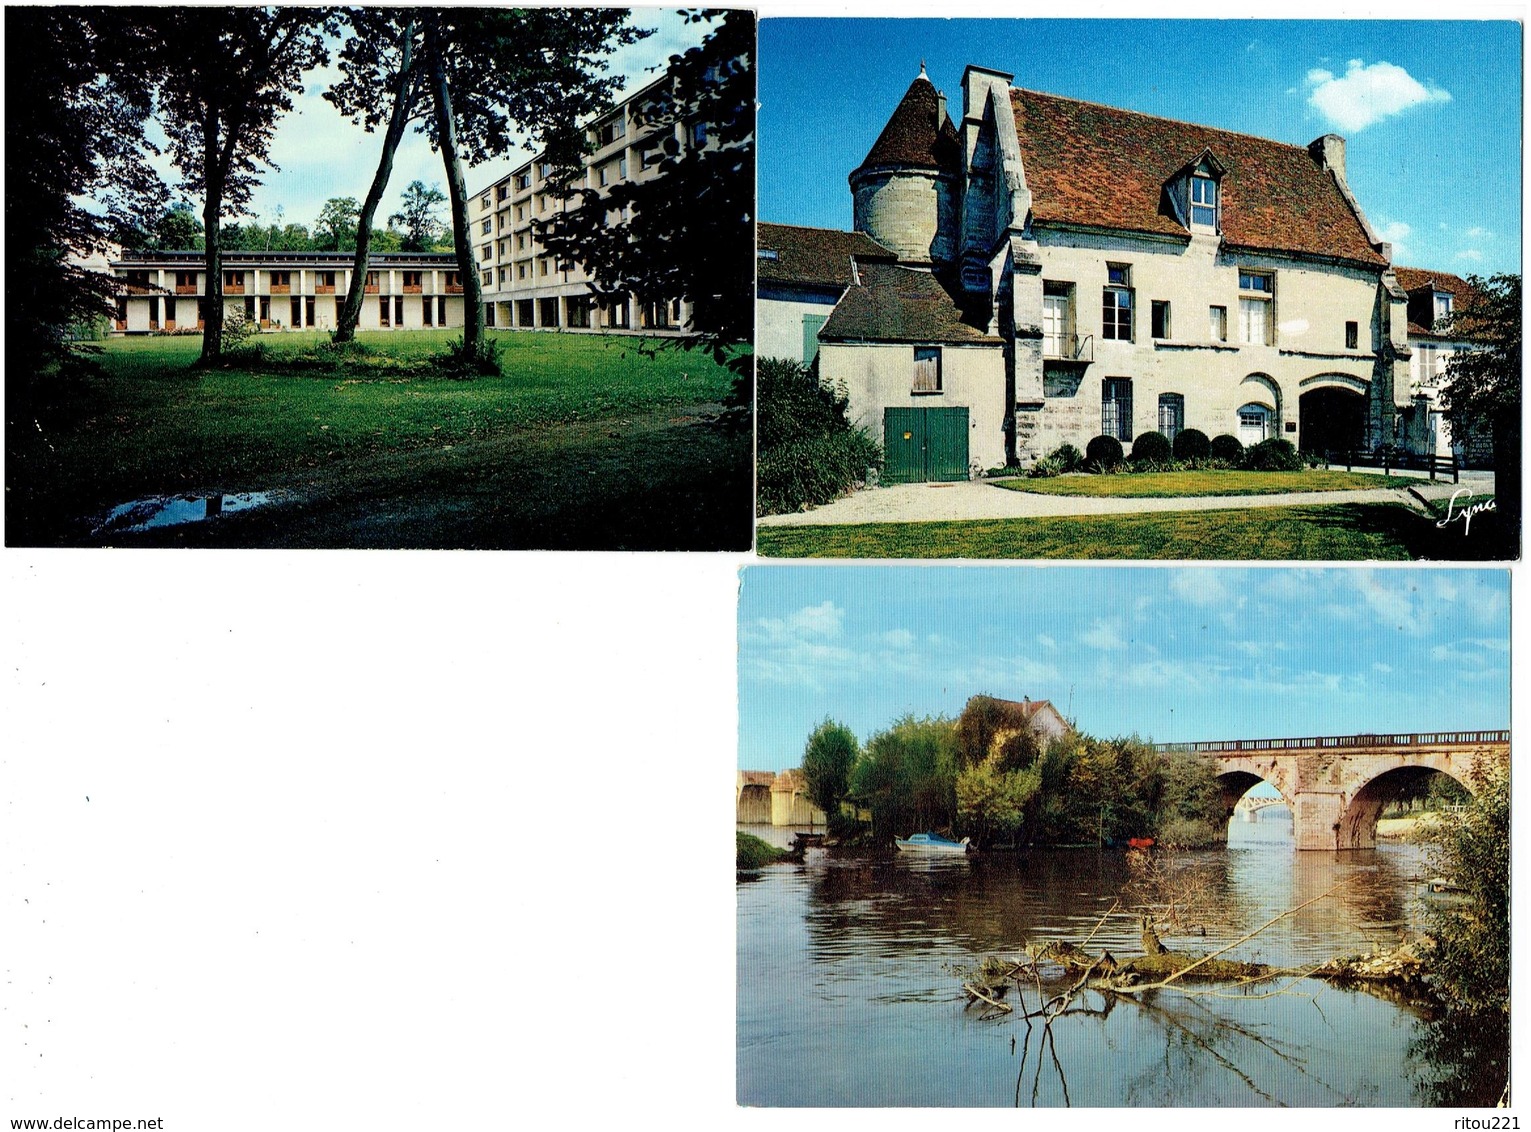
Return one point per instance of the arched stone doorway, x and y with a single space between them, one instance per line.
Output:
1332 411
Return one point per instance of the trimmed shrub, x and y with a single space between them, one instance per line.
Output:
1151 448
807 452
1273 455
1192 444
1103 453
1228 449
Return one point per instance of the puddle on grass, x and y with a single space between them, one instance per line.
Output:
175 510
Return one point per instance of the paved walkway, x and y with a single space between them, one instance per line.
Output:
978 499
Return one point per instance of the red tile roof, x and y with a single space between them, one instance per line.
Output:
913 135
899 304
813 256
1104 167
1421 283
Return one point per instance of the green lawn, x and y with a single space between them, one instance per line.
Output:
1170 484
1351 531
153 423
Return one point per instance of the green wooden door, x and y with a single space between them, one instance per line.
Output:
812 323
921 445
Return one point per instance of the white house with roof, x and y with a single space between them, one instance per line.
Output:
1065 270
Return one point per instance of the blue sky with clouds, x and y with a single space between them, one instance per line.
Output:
1170 653
322 155
1431 110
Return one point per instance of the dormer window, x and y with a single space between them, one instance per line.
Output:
1442 308
1203 202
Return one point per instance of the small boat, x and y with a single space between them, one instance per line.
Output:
930 843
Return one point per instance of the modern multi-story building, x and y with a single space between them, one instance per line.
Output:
1064 270
526 288
165 291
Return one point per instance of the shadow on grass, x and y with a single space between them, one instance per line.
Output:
1344 532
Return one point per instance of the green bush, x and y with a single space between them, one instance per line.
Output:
1192 444
753 853
1273 455
458 360
808 453
1067 457
237 328
1103 454
1228 449
1151 448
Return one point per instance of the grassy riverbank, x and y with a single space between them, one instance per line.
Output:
579 440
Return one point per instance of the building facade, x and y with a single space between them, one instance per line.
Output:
164 292
528 289
1065 270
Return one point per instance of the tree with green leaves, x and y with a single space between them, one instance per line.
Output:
689 232
1482 390
828 760
1470 963
419 216
336 228
476 82
907 777
225 77
74 131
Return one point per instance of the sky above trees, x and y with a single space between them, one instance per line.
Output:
1170 653
1431 111
322 155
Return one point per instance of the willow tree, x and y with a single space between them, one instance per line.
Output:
225 77
478 83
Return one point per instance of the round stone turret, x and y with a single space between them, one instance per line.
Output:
906 191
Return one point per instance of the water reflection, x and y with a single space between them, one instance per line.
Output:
849 992
174 510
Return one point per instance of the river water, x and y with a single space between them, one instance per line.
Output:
850 971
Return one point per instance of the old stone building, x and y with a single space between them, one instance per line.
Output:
1065 270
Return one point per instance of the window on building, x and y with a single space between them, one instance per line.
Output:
441 310
1159 318
602 176
524 315
1203 201
487 226
138 278
486 253
1442 308
308 305
544 169
577 308
488 314
186 281
371 285
265 310
1217 323
650 155
281 279
542 267
523 181
617 316
412 280
398 310
520 212
1257 290
520 271
233 280
1352 335
170 312
502 192
1116 303
486 278
927 369
622 166
698 134
384 310
521 242
250 306
154 312
483 201
1116 407
122 314
1058 320
1254 424
548 311
325 281
611 131
1171 414
295 311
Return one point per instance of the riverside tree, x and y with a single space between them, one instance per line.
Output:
907 777
477 82
828 760
687 233
225 77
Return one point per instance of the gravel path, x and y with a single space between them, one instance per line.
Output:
977 499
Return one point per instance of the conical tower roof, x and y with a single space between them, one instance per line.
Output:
919 135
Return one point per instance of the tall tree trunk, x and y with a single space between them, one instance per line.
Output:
350 314
212 209
446 135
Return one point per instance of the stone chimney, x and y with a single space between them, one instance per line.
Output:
1329 152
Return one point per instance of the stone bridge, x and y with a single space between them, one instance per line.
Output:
1337 785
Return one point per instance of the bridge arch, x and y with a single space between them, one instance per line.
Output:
1358 821
1236 783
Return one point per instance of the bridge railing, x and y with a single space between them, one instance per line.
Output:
1321 742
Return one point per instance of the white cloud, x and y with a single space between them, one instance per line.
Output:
1471 254
1397 233
1200 587
1366 95
1384 669
1047 642
898 638
1477 233
1103 636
